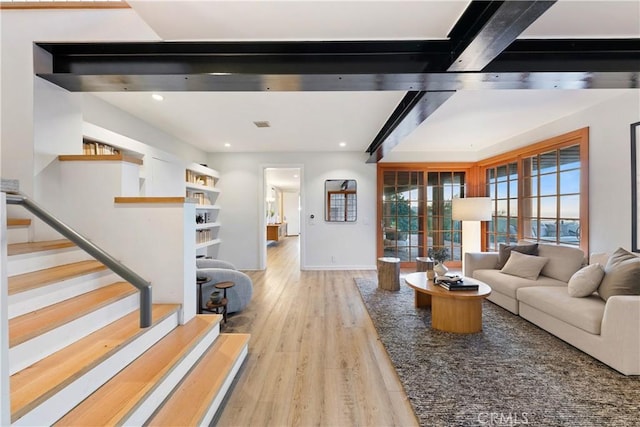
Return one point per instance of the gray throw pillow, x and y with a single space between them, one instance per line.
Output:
504 251
621 275
525 266
585 281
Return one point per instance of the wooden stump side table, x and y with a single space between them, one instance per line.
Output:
389 273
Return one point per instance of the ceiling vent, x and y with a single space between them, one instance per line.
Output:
264 124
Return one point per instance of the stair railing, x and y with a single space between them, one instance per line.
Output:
16 198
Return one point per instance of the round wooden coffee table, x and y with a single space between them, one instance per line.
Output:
451 311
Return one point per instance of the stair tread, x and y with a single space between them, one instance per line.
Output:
199 387
18 222
46 377
35 279
27 326
113 402
29 247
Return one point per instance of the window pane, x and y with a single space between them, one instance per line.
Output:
530 205
530 229
446 178
513 171
548 208
502 173
548 185
570 158
492 191
403 178
389 178
548 162
502 207
513 207
548 230
490 174
570 182
502 190
513 189
513 227
535 166
570 231
530 186
570 206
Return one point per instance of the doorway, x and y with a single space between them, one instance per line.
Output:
282 207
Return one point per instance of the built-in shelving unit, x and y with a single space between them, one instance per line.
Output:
200 187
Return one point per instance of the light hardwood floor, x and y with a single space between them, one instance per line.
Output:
314 355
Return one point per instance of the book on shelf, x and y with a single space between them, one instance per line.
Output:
200 179
91 148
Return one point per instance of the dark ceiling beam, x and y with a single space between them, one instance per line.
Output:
498 32
412 110
483 31
411 66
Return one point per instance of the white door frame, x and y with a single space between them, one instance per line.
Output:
262 235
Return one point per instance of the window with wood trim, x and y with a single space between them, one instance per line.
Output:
551 196
502 188
540 193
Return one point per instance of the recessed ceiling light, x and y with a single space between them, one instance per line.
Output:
295 176
226 144
157 97
343 144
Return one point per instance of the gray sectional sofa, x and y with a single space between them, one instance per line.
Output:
603 324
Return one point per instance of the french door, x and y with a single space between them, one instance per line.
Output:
414 211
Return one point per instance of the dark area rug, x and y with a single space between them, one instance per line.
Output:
513 373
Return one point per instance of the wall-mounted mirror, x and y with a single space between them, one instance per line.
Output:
340 197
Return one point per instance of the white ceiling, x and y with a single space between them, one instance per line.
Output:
318 121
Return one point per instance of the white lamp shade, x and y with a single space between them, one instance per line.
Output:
471 209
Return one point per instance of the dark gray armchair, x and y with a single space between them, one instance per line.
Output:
221 271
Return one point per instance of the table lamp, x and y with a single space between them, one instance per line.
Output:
471 210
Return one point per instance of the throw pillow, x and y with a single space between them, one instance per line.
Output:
585 281
525 266
621 275
505 250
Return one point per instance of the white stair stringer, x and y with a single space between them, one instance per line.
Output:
52 409
150 403
29 352
34 261
34 299
217 401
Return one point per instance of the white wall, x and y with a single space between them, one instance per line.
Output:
351 245
19 29
292 212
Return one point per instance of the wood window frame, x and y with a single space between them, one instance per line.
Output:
578 137
470 169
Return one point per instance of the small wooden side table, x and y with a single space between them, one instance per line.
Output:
389 273
222 305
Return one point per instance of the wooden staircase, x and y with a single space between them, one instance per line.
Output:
78 357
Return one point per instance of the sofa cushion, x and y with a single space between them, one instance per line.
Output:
585 281
525 266
563 261
583 313
504 251
508 285
621 275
